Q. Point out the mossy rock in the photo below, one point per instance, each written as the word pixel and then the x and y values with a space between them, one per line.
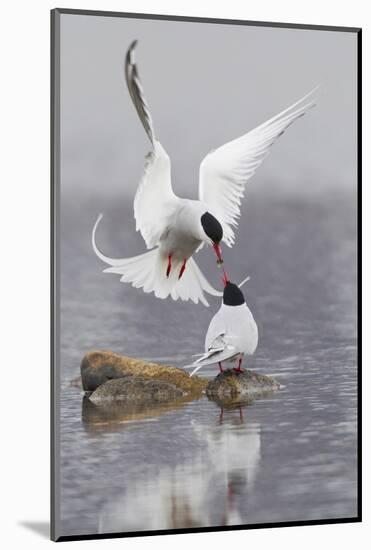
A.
pixel 136 389
pixel 97 367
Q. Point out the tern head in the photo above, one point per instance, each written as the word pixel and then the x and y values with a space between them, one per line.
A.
pixel 232 295
pixel 214 231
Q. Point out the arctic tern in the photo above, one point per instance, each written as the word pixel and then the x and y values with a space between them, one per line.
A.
pixel 174 228
pixel 232 332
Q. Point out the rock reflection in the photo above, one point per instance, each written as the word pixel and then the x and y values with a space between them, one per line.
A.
pixel 204 491
pixel 112 416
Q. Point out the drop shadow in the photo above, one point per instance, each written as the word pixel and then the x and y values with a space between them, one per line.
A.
pixel 42 528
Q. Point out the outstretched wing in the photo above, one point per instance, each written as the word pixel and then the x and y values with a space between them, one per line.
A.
pixel 136 91
pixel 155 202
pixel 225 171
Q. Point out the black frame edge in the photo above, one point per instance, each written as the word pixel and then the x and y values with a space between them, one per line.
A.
pixel 52 272
pixel 359 268
pixel 222 21
pixel 67 538
pixel 54 68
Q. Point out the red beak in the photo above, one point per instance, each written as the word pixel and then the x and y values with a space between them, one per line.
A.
pixel 218 253
pixel 225 279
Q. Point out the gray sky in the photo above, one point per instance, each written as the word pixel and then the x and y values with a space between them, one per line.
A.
pixel 206 84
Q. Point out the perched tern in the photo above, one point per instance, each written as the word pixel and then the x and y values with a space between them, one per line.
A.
pixel 232 332
pixel 175 228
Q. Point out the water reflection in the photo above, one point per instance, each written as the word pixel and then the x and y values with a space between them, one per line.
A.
pixel 202 491
pixel 303 265
pixel 111 416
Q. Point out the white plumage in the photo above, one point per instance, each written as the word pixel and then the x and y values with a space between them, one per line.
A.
pixel 147 271
pixel 225 171
pixel 232 332
pixel 171 226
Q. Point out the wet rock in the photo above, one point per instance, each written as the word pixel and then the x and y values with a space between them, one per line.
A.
pixel 247 385
pixel 97 367
pixel 136 389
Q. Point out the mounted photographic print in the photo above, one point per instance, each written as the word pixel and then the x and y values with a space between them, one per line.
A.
pixel 205 209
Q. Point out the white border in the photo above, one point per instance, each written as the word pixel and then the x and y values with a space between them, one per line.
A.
pixel 25 264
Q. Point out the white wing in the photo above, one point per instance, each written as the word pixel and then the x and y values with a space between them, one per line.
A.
pixel 216 346
pixel 219 351
pixel 216 328
pixel 155 201
pixel 225 171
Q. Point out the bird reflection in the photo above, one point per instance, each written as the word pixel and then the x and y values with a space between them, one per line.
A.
pixel 207 490
pixel 221 415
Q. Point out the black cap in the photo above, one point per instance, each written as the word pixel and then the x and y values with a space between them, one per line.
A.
pixel 212 227
pixel 232 295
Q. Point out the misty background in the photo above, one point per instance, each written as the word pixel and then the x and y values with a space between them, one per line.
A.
pixel 207 84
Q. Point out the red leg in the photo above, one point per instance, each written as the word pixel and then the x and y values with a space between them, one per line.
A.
pixel 168 265
pixel 238 369
pixel 182 268
pixel 220 367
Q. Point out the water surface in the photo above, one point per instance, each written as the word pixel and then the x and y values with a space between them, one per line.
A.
pixel 288 457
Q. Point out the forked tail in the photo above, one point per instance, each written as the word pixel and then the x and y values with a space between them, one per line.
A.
pixel 212 357
pixel 148 271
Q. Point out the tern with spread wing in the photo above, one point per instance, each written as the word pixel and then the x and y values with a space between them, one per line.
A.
pixel 232 332
pixel 174 228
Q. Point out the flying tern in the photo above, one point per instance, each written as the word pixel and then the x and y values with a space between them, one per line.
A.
pixel 174 228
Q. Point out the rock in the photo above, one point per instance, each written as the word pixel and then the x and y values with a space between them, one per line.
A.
pixel 136 389
pixel 245 386
pixel 97 367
